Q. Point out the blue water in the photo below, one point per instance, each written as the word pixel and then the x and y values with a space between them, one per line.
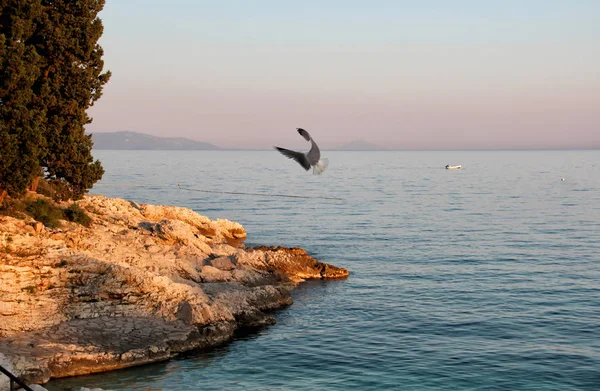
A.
pixel 485 278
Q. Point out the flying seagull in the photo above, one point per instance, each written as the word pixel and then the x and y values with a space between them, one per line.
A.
pixel 310 159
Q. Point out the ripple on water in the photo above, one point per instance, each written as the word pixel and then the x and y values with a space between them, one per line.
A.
pixel 485 278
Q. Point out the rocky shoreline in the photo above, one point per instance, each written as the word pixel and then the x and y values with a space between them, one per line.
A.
pixel 141 284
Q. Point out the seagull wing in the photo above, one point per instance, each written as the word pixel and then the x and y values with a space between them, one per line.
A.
pixel 297 156
pixel 304 134
pixel 314 154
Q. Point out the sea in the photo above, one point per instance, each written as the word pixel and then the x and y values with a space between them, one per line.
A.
pixel 483 278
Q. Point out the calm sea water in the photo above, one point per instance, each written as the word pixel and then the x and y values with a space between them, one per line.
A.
pixel 485 278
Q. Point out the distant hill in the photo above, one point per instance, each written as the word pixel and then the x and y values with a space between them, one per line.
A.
pixel 133 140
pixel 358 145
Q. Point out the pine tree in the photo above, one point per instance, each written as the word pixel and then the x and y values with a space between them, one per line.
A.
pixel 72 80
pixel 50 74
pixel 21 138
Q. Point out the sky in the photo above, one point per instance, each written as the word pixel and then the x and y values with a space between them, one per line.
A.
pixel 461 74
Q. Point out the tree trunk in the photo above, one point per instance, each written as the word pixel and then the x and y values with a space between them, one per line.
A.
pixel 35 183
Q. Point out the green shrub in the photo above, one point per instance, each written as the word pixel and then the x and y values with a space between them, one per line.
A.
pixel 76 214
pixel 13 208
pixel 51 73
pixel 45 188
pixel 45 212
pixel 56 189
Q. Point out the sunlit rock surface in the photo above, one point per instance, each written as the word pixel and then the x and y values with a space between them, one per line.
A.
pixel 142 284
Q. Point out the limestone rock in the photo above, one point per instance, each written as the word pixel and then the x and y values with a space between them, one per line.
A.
pixel 294 263
pixel 38 227
pixel 142 284
pixel 8 364
pixel 212 274
pixel 223 262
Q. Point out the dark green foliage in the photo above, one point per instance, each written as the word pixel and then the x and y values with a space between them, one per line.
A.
pixel 45 188
pixel 21 138
pixel 76 214
pixel 46 212
pixel 50 74
pixel 72 81
pixel 56 189
pixel 13 208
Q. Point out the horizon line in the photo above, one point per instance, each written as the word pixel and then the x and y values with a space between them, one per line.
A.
pixel 221 149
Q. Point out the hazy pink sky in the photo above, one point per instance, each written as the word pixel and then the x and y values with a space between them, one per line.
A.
pixel 437 74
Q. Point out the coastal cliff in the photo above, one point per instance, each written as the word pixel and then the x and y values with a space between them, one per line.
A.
pixel 141 284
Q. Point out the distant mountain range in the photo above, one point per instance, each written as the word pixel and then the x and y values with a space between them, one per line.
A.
pixel 125 140
pixel 133 140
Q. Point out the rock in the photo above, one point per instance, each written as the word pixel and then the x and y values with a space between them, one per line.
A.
pixel 149 242
pixel 212 274
pixel 176 232
pixel 222 263
pixel 184 312
pixel 143 284
pixel 153 249
pixel 294 263
pixel 38 227
pixel 8 364
pixel 37 387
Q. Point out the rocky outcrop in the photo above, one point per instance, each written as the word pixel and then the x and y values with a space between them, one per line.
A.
pixel 142 284
pixel 295 263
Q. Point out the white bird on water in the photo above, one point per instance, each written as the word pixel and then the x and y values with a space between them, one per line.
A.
pixel 310 159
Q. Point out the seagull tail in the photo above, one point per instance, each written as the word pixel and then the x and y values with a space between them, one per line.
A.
pixel 321 166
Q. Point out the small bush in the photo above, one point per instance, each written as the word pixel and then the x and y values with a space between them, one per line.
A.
pixel 45 212
pixel 76 214
pixel 56 189
pixel 45 188
pixel 13 208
